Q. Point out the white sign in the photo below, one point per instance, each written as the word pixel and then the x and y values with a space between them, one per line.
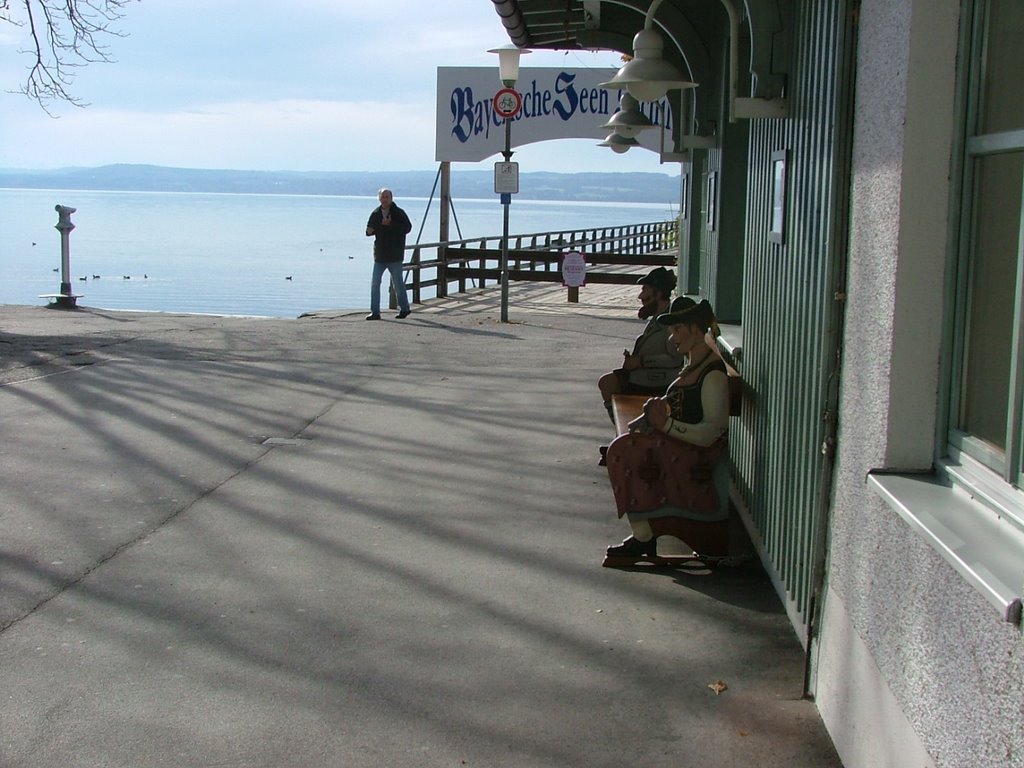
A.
pixel 506 178
pixel 574 269
pixel 556 104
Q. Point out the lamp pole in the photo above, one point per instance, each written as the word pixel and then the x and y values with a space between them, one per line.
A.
pixel 506 200
pixel 507 102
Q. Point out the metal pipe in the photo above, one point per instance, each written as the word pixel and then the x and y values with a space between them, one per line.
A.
pixel 444 228
pixel 734 56
pixel 734 47
pixel 649 18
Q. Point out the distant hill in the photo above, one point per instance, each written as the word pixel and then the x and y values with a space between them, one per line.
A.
pixel 539 185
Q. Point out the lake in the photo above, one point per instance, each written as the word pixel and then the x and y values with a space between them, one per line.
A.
pixel 231 254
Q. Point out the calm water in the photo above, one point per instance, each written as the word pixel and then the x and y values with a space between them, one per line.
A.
pixel 231 254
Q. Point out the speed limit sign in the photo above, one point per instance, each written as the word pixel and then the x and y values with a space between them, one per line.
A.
pixel 508 102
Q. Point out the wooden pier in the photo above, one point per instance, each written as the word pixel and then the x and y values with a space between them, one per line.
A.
pixel 616 257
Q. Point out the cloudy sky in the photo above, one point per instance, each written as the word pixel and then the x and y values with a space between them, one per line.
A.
pixel 249 84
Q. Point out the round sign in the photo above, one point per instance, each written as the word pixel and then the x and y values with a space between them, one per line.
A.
pixel 574 269
pixel 508 102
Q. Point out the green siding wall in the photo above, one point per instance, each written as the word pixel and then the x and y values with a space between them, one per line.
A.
pixel 791 317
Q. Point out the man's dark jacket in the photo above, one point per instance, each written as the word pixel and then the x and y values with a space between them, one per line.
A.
pixel 389 242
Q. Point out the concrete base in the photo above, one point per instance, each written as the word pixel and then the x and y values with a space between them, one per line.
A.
pixel 866 723
pixel 62 300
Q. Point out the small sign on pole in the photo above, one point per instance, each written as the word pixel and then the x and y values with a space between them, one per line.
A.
pixel 507 102
pixel 574 273
pixel 506 178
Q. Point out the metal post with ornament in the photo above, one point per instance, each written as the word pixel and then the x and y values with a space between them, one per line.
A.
pixel 507 103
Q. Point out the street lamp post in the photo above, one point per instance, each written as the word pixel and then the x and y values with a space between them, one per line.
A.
pixel 507 102
pixel 506 200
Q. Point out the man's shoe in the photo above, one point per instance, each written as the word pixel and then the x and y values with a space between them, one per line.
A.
pixel 403 314
pixel 373 317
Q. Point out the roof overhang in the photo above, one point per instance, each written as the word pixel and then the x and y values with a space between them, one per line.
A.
pixel 738 51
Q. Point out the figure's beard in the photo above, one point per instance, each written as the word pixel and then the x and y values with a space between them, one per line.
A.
pixel 650 309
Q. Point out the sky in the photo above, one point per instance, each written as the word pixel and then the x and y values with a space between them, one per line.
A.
pixel 307 85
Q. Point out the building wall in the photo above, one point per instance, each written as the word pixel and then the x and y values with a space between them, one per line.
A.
pixel 913 667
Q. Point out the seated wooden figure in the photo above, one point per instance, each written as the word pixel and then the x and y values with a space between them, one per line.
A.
pixel 669 472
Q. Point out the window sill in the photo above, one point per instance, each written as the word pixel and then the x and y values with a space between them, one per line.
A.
pixel 982 546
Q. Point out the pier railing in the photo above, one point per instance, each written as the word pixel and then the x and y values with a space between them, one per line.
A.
pixel 439 269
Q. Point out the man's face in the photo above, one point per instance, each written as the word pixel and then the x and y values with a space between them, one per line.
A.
pixel 648 302
pixel 385 198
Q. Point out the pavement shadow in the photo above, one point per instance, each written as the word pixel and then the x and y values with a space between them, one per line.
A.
pixel 421 535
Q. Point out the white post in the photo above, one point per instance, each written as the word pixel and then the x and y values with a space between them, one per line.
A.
pixel 444 229
pixel 64 226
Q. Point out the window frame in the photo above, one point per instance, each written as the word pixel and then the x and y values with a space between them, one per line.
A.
pixel 711 220
pixel 779 172
pixel 965 511
pixel 1000 486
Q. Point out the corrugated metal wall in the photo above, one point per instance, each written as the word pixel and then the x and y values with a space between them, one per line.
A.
pixel 791 311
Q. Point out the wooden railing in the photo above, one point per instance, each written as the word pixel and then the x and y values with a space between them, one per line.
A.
pixel 434 269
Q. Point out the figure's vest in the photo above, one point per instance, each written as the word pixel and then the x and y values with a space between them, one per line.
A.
pixel 653 341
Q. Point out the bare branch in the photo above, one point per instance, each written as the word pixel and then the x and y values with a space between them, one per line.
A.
pixel 63 35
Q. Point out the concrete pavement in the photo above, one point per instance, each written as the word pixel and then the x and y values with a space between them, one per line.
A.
pixel 326 542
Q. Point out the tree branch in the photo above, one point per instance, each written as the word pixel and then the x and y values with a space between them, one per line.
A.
pixel 62 35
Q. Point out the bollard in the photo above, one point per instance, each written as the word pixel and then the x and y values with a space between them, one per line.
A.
pixel 66 298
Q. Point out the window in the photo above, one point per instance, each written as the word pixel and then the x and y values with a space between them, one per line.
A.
pixel 684 196
pixel 986 416
pixel 712 200
pixel 980 532
pixel 777 224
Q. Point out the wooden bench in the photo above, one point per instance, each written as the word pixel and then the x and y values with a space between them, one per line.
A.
pixel 708 539
pixel 625 408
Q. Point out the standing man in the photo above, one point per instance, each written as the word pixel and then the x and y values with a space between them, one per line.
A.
pixel 388 225
pixel 654 362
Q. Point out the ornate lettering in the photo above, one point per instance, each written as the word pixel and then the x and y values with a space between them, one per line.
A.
pixel 470 117
pixel 564 87
pixel 461 105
